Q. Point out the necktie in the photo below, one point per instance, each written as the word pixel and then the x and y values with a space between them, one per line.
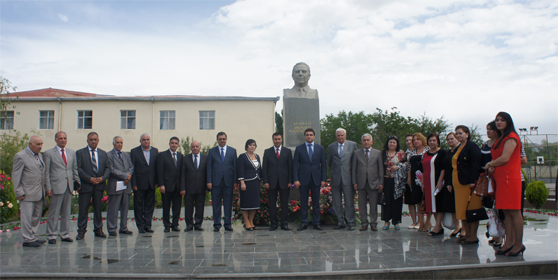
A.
pixel 38 159
pixel 94 161
pixel 366 155
pixel 222 154
pixel 64 158
pixel 196 161
pixel 341 150
pixel 120 157
pixel 310 151
pixel 174 158
pixel 277 152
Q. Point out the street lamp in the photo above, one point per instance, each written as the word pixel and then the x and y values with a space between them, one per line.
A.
pixel 534 128
pixel 521 130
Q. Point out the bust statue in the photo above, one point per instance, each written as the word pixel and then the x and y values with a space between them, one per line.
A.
pixel 301 75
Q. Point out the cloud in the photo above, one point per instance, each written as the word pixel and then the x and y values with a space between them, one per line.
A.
pixel 63 17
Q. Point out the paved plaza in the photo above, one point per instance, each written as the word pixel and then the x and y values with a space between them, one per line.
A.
pixel 270 254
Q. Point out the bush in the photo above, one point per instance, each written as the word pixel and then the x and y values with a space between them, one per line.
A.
pixel 9 146
pixel 536 193
pixel 8 203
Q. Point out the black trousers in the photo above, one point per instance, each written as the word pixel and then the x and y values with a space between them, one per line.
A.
pixel 191 202
pixel 144 205
pixel 84 203
pixel 172 199
pixel 284 198
pixel 393 208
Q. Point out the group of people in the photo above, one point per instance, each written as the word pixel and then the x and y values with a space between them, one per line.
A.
pixel 428 179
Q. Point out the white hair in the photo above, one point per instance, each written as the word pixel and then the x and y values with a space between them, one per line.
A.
pixel 340 129
pixel 114 139
pixel 366 134
pixel 145 134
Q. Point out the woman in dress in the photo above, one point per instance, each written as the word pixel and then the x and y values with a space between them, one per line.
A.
pixel 493 134
pixel 466 170
pixel 413 195
pixel 432 177
pixel 394 182
pixel 248 170
pixel 412 207
pixel 506 167
pixel 447 190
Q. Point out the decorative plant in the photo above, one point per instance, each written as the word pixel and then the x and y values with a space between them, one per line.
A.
pixel 536 193
pixel 8 203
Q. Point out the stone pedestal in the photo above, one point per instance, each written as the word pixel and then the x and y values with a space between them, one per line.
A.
pixel 298 115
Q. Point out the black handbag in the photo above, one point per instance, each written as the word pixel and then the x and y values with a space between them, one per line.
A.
pixel 381 198
pixel 475 215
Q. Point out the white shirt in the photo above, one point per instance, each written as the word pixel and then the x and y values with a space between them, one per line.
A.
pixel 198 158
pixel 96 155
pixel 224 150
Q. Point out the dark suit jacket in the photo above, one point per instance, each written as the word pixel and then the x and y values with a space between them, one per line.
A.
pixel 169 175
pixel 468 163
pixel 216 168
pixel 194 181
pixel 145 176
pixel 304 167
pixel 273 168
pixel 85 170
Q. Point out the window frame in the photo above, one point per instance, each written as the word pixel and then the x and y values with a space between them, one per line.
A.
pixel 168 119
pixel 128 117
pixel 205 122
pixel 4 117
pixel 84 118
pixel 48 117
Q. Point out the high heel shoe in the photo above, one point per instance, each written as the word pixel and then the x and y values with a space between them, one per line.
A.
pixel 441 231
pixel 503 252
pixel 467 242
pixel 512 254
pixel 454 234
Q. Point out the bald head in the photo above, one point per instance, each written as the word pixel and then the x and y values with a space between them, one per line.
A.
pixel 35 144
pixel 195 147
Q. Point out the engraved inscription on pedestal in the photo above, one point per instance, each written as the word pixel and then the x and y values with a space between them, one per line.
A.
pixel 298 115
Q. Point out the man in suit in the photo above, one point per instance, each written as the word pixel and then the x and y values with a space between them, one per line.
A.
pixel 309 174
pixel 194 186
pixel 144 182
pixel 28 178
pixel 368 179
pixel 169 172
pixel 339 159
pixel 221 178
pixel 61 173
pixel 93 169
pixel 119 187
pixel 277 175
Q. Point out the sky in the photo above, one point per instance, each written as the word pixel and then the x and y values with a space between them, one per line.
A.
pixel 463 60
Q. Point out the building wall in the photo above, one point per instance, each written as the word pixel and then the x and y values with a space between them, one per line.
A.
pixel 241 120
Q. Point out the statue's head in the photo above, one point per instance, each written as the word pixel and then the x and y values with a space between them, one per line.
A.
pixel 301 74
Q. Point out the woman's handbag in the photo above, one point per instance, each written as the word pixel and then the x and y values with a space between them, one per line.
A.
pixel 447 221
pixel 481 187
pixel 475 215
pixel 381 198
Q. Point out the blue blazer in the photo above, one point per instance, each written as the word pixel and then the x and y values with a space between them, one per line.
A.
pixel 304 167
pixel 217 169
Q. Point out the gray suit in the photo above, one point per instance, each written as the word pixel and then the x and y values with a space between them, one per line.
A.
pixel 118 200
pixel 60 180
pixel 341 181
pixel 368 176
pixel 28 178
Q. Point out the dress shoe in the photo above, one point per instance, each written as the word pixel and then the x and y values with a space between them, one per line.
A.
pixel 318 227
pixel 100 233
pixel 503 252
pixel 351 228
pixel 302 227
pixel 216 230
pixel 228 228
pixel 167 229
pixel 373 228
pixel 285 228
pixel 126 232
pixel 80 236
pixel 363 228
pixel 141 230
pixel 148 229
pixel 339 227
pixel 272 228
pixel 67 239
pixel 468 242
pixel 41 241
pixel 113 233
pixel 175 228
pixel 52 241
pixel 198 228
pixel 31 244
pixel 188 229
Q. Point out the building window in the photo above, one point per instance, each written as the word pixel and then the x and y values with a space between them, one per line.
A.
pixel 46 119
pixel 85 119
pixel 7 120
pixel 128 119
pixel 207 120
pixel 166 120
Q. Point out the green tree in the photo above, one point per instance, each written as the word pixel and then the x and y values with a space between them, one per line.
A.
pixel 184 147
pixel 356 124
pixel 6 89
pixel 9 146
pixel 279 123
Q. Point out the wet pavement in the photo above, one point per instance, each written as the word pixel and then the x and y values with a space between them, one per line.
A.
pixel 263 252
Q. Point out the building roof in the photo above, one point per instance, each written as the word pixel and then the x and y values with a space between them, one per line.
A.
pixel 51 94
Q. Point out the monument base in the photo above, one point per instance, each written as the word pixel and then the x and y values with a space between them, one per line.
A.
pixel 298 115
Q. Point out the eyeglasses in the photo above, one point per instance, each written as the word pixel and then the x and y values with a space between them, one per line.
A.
pixel 222 139
pixel 393 137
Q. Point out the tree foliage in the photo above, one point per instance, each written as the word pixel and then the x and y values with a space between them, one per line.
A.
pixel 356 124
pixel 184 147
pixel 9 146
pixel 279 123
pixel 6 89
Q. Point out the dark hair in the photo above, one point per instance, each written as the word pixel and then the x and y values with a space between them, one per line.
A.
pixel 386 146
pixel 492 126
pixel 310 129
pixel 408 134
pixel 509 127
pixel 433 134
pixel 92 132
pixel 277 134
pixel 451 133
pixel 248 142
pixel 221 133
pixel 465 129
pixel 174 138
pixel 56 135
